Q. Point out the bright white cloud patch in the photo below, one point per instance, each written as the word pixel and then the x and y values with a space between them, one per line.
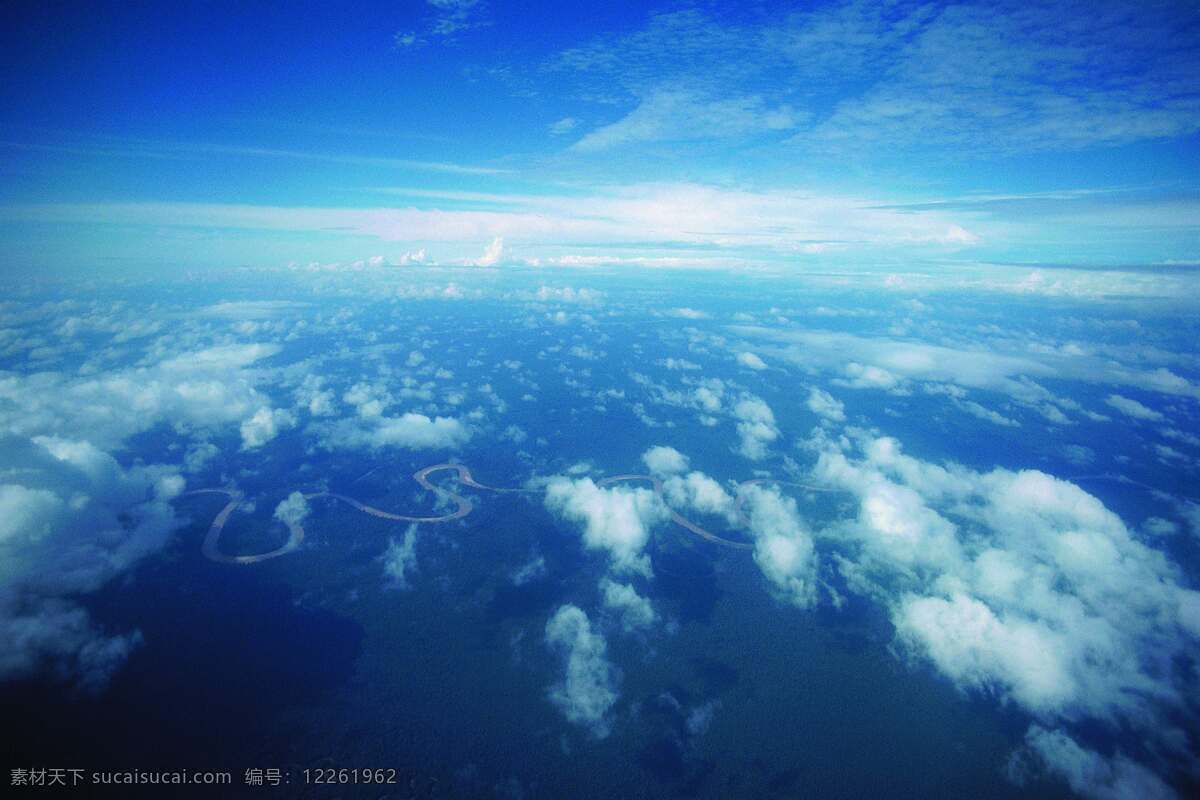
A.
pixel 1023 585
pixel 755 427
pixel 617 519
pixel 783 547
pixel 964 638
pixel 664 460
pixel 698 492
pixel 410 430
pixel 206 388
pixel 587 690
pixel 264 426
pixel 492 254
pixel 292 510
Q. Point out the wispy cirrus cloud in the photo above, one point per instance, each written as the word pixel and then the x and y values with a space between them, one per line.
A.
pixel 449 17
pixel 146 148
pixel 785 221
pixel 674 115
pixel 864 77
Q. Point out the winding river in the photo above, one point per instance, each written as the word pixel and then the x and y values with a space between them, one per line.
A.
pixel 462 507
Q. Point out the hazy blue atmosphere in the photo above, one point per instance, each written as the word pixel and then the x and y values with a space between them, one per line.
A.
pixel 638 401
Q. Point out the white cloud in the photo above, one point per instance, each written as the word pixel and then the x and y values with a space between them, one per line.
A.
pixel 748 359
pixel 264 426
pixel 639 213
pixel 292 510
pixel 867 376
pixel 1132 408
pixel 564 125
pixel 674 115
pixel 664 461
pixel 823 404
pixel 410 430
pixel 492 254
pixel 708 398
pixel 71 519
pixel 206 388
pixel 617 519
pixel 400 559
pixel 635 611
pixel 698 492
pixel 318 401
pixel 1019 584
pixel 411 257
pixel 1090 774
pixel 783 547
pixel 59 640
pixel 449 18
pixel 532 570
pixel 996 418
pixel 1006 365
pixel 568 294
pixel 756 427
pixel 587 690
pixel 686 313
pixel 966 641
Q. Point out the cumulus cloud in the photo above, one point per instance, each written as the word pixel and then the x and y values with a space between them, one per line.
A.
pixel 617 519
pixel 410 430
pixel 783 547
pixel 292 510
pixel 867 376
pixel 965 639
pixel 410 257
pixel 204 388
pixel 1022 585
pixel 71 519
pixel 587 691
pixel 265 425
pixel 400 559
pixel 664 460
pixel 311 395
pixel 823 404
pixel 756 427
pixel 635 611
pixel 748 359
pixel 698 492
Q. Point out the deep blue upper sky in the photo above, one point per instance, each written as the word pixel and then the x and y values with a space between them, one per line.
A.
pixel 197 134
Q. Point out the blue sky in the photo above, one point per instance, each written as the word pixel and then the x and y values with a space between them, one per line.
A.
pixel 786 136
